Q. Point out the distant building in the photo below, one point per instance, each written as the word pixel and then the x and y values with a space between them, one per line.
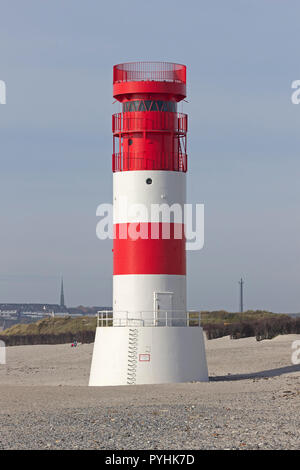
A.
pixel 43 309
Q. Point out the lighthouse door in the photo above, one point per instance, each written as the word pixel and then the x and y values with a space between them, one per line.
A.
pixel 163 307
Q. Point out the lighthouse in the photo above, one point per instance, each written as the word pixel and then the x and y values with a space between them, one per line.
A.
pixel 151 338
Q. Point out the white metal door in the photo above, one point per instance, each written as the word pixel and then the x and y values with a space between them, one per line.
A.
pixel 163 307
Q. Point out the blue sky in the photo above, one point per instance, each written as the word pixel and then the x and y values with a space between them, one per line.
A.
pixel 243 143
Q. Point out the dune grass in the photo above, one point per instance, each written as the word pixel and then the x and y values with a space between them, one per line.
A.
pixel 222 316
pixel 259 323
pixel 54 326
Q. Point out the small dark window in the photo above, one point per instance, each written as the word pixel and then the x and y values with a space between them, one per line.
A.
pixel 149 181
pixel 142 106
pixel 159 105
pixel 136 105
pixel 154 106
pixel 131 106
pixel 130 141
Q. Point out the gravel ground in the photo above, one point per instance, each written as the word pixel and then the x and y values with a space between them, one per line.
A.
pixel 251 402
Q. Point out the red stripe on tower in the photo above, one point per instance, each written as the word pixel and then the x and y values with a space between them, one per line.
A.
pixel 160 249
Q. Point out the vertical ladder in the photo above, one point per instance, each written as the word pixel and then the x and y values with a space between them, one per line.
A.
pixel 132 355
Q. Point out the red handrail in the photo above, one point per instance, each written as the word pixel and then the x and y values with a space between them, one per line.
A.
pixel 149 71
pixel 139 161
pixel 152 120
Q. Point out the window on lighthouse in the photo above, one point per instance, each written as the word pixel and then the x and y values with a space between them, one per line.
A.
pixel 149 105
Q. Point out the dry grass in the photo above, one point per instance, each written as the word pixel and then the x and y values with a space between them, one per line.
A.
pixel 53 326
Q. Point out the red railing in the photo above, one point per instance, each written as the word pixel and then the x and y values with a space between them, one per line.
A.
pixel 155 120
pixel 149 71
pixel 133 162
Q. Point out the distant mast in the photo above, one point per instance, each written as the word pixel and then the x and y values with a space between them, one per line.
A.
pixel 62 295
pixel 241 283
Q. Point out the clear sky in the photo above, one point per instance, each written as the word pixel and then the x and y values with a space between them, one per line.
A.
pixel 56 58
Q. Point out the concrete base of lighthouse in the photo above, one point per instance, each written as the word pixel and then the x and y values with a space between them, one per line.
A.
pixel 148 355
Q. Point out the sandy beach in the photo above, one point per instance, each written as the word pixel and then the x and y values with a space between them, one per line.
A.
pixel 252 401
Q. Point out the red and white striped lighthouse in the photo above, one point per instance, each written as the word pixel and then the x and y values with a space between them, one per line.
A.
pixel 149 165
pixel 151 340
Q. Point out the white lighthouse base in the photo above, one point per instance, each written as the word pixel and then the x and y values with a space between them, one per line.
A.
pixel 148 355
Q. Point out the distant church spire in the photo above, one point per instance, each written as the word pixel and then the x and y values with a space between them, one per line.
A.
pixel 62 295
